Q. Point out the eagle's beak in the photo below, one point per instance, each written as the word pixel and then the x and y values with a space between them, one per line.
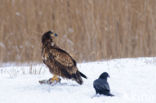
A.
pixel 54 35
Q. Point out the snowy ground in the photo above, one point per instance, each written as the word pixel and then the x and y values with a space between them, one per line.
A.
pixel 132 81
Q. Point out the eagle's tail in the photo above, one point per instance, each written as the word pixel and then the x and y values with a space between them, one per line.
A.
pixel 77 77
pixel 83 75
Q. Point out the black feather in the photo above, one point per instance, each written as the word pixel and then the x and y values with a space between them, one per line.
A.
pixel 83 75
pixel 101 85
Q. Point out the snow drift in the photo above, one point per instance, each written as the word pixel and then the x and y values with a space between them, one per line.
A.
pixel 131 81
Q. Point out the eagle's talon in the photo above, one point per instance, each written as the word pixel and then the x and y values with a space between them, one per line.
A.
pixel 54 80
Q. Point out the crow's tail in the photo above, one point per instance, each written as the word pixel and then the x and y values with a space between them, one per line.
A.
pixel 109 94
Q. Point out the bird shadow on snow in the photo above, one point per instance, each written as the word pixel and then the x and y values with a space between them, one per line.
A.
pixel 60 84
pixel 46 87
pixel 98 96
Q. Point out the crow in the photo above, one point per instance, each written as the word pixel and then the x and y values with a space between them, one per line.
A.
pixel 101 85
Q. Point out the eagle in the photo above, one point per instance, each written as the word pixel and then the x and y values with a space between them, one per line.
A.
pixel 59 62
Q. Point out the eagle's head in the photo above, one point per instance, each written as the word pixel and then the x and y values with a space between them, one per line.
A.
pixel 48 37
pixel 104 75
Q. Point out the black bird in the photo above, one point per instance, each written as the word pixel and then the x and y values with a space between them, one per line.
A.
pixel 101 85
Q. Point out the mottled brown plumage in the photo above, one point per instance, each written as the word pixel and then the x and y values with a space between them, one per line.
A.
pixel 59 62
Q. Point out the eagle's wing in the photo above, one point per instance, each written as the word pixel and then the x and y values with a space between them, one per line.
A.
pixel 62 57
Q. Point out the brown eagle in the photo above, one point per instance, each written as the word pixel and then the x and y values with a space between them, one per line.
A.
pixel 59 62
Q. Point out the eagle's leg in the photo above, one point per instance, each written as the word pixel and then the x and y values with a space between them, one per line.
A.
pixel 55 79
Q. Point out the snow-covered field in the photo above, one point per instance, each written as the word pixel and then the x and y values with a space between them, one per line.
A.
pixel 131 81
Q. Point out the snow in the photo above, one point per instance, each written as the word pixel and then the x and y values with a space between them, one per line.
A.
pixel 131 81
